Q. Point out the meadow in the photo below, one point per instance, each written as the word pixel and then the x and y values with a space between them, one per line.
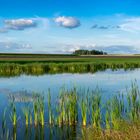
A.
pixel 65 58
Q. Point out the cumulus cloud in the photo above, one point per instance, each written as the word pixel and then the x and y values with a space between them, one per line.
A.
pixel 131 24
pixel 111 49
pixel 70 48
pixel 19 24
pixel 13 46
pixel 119 49
pixel 67 22
pixel 104 27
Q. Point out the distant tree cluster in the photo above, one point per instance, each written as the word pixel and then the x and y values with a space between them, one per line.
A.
pixel 87 52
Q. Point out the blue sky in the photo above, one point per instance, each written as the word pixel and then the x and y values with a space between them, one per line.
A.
pixel 52 26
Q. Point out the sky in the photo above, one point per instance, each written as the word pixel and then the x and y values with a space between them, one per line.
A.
pixel 63 26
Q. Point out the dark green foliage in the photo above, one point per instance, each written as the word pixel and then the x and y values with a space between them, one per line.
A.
pixel 87 52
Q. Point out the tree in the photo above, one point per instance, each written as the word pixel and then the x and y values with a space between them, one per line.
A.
pixel 88 52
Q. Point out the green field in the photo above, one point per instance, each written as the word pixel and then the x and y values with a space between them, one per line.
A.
pixel 58 58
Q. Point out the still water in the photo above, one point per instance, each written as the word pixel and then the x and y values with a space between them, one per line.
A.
pixel 109 82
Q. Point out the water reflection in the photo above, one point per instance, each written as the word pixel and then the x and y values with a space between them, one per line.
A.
pixel 21 89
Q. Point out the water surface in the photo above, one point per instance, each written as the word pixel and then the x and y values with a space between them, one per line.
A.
pixel 109 82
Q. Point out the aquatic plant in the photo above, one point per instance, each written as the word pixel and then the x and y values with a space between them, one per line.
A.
pixel 55 64
pixel 96 109
pixel 4 122
pixel 133 102
pixel 50 108
pixel 13 115
pixel 74 106
pixel 115 112
pixel 30 118
pixel 41 110
pixel 6 136
pixel 60 110
pixel 84 112
pixel 26 115
pixel 35 109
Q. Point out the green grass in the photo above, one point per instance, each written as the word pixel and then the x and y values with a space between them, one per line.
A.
pixel 127 132
pixel 31 64
pixel 13 69
pixel 57 58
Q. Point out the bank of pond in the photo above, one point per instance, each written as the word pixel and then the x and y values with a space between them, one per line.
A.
pixel 15 69
pixel 75 114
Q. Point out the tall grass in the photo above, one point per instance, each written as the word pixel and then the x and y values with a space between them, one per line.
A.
pixel 41 110
pixel 36 68
pixel 96 109
pixel 26 112
pixel 133 98
pixel 35 110
pixel 50 108
pixel 72 108
pixel 84 112
pixel 13 114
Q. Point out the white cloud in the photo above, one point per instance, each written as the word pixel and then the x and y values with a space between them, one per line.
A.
pixel 111 49
pixel 13 46
pixel 70 48
pixel 68 22
pixel 19 24
pixel 131 25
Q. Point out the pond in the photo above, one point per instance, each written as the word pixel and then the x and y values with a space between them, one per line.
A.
pixel 109 83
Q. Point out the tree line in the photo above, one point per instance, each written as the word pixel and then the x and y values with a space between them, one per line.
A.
pixel 89 52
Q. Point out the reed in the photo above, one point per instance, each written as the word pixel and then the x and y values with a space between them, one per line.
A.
pixel 96 109
pixel 134 102
pixel 4 122
pixel 84 112
pixel 115 113
pixel 30 117
pixel 41 110
pixel 35 109
pixel 17 68
pixel 6 136
pixel 107 115
pixel 73 105
pixel 60 110
pixel 13 115
pixel 26 112
pixel 50 108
